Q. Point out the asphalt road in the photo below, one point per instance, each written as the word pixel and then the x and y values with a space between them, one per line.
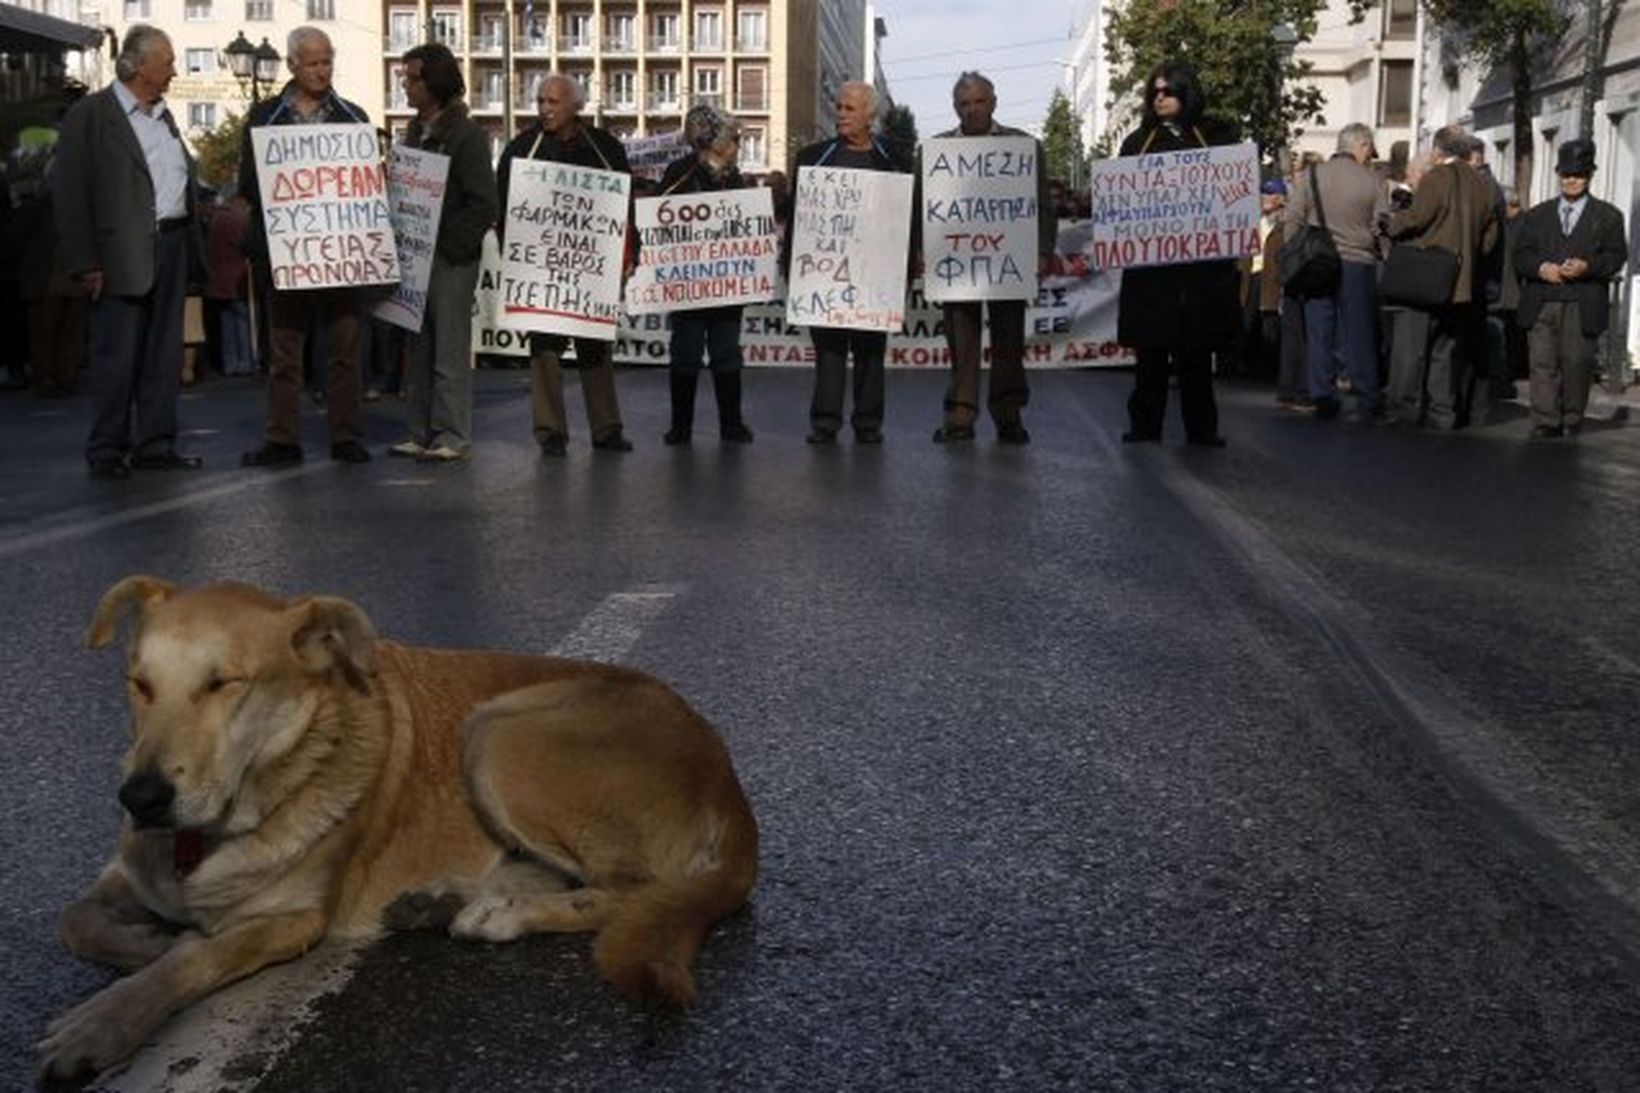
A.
pixel 1308 763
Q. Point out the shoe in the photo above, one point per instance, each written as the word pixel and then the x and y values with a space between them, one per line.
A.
pixel 372 395
pixel 1012 434
pixel 108 467
pixel 349 451
pixel 822 436
pixel 675 437
pixel 947 434
pixel 613 442
pixel 168 460
pixel 1206 441
pixel 1546 432
pixel 272 454
pixel 442 453
pixel 407 449
pixel 735 433
pixel 554 446
pixel 1135 436
pixel 868 436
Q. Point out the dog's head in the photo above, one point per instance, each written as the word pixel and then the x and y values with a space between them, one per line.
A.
pixel 223 681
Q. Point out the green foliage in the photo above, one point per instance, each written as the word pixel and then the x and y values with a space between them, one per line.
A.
pixel 1247 76
pixel 1493 28
pixel 900 127
pixel 217 151
pixel 1062 142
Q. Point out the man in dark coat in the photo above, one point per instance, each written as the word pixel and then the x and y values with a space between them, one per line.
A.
pixel 1568 248
pixel 562 136
pixel 124 186
pixel 1175 317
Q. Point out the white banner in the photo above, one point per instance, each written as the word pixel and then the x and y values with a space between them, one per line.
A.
pixel 562 253
pixel 704 250
pixel 324 205
pixel 650 156
pixel 851 231
pixel 415 194
pixel 979 218
pixel 1173 207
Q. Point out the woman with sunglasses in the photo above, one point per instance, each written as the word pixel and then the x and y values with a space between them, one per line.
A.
pixel 1175 317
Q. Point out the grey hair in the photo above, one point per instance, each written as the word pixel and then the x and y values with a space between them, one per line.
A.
pixel 706 123
pixel 870 91
pixel 1353 135
pixel 577 88
pixel 294 40
pixel 1451 140
pixel 139 40
pixel 973 77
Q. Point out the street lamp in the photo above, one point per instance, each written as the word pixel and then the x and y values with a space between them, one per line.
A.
pixel 256 65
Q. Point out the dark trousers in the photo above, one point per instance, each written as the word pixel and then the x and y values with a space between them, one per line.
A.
pixel 56 340
pixel 1341 335
pixel 831 352
pixel 136 359
pixel 1290 380
pixel 595 361
pixel 292 312
pixel 1147 406
pixel 1562 363
pixel 1430 363
pixel 1009 390
pixel 709 332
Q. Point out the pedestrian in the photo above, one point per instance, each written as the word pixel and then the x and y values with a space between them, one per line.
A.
pixel 1486 381
pixel 1435 345
pixel 307 99
pixel 1569 248
pixel 1341 327
pixel 55 300
pixel 1261 288
pixel 1506 341
pixel 1174 317
pixel 561 135
pixel 439 380
pixel 226 280
pixel 974 99
pixel 710 166
pixel 124 184
pixel 854 147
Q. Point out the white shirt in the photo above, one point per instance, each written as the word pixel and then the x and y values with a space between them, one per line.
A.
pixel 167 162
pixel 1570 212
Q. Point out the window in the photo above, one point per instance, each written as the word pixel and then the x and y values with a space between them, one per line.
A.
pixel 495 89
pixel 663 32
pixel 535 32
pixel 623 89
pixel 202 115
pixel 754 147
pixel 489 32
pixel 1395 93
pixel 195 11
pixel 136 10
pixel 709 84
pixel 258 11
pixel 578 32
pixel 623 33
pixel 752 35
pixel 709 29
pixel 401 30
pixel 1400 19
pixel 532 85
pixel 663 88
pixel 752 88
pixel 321 10
pixel 447 27
pixel 396 98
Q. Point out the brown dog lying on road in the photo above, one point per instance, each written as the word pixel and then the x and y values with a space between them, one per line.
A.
pixel 292 777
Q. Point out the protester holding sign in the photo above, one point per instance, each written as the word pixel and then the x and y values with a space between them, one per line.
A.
pixel 975 101
pixel 306 100
pixel 561 136
pixel 1175 316
pixel 854 148
pixel 439 381
pixel 696 333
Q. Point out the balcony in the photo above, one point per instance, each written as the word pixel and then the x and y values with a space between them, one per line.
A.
pixel 669 45
pixel 489 44
pixel 578 44
pixel 663 103
pixel 753 103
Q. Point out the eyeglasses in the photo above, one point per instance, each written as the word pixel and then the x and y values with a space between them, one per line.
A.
pixel 1163 91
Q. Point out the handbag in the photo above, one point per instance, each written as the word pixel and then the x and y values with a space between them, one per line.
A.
pixel 1310 265
pixel 1419 276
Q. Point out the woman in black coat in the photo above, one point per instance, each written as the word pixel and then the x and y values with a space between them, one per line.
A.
pixel 1175 317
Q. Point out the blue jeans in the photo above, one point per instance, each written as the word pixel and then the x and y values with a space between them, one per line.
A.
pixel 1341 335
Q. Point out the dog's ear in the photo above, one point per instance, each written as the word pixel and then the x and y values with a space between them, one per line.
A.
pixel 333 633
pixel 134 594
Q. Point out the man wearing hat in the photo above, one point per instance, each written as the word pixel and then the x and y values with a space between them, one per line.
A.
pixel 1568 248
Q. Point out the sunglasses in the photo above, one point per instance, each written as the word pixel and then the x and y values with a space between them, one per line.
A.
pixel 1164 90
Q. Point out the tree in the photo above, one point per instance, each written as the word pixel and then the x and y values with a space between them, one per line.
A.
pixel 1247 75
pixel 1067 160
pixel 217 151
pixel 900 128
pixel 1504 32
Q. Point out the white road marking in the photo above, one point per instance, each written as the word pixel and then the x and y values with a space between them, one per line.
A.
pixel 227 1041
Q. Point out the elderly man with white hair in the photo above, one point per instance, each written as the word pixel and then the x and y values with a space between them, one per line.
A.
pixel 1342 325
pixel 308 99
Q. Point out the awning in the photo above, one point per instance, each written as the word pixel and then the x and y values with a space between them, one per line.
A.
pixel 24 31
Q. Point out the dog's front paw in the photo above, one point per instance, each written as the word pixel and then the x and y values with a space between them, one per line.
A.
pixel 492 918
pixel 93 1036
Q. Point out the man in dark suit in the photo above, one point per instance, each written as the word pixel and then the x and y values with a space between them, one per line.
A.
pixel 1568 248
pixel 124 189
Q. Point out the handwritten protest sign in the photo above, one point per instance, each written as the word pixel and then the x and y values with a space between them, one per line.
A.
pixel 979 218
pixel 324 204
pixel 704 250
pixel 1166 208
pixel 649 156
pixel 850 233
pixel 562 251
pixel 415 193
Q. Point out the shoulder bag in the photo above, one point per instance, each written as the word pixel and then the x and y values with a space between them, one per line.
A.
pixel 1310 265
pixel 1423 276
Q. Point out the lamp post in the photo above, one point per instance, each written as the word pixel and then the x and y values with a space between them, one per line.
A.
pixel 256 66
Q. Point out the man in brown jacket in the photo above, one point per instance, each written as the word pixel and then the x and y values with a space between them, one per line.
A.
pixel 1434 349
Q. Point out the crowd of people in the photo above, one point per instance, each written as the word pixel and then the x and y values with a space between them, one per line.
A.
pixel 1436 293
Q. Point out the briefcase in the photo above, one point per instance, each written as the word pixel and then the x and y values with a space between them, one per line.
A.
pixel 1419 276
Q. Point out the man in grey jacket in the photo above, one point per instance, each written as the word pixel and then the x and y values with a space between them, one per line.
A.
pixel 1343 326
pixel 124 188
